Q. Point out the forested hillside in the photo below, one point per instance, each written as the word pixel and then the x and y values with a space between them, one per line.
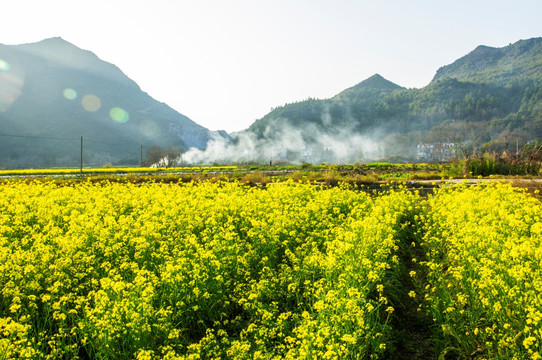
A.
pixel 52 93
pixel 489 100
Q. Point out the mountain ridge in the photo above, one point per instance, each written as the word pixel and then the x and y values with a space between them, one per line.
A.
pixel 60 52
pixel 478 102
pixel 501 65
pixel 373 84
pixel 53 89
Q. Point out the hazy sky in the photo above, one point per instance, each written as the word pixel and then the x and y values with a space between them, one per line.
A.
pixel 225 64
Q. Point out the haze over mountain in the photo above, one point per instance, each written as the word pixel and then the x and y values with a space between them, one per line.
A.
pixel 488 100
pixel 52 93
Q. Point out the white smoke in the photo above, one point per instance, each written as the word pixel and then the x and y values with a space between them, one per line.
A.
pixel 222 150
pixel 282 142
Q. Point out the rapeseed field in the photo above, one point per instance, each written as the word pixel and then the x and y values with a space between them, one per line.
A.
pixel 484 271
pixel 222 270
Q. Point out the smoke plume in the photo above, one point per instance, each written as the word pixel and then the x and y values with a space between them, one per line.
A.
pixel 282 142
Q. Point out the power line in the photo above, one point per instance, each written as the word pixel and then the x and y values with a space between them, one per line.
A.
pixel 73 139
pixel 59 138
pixel 102 143
pixel 37 137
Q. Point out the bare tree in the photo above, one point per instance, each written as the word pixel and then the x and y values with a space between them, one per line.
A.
pixel 161 157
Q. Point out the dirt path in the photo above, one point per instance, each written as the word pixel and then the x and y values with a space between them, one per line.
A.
pixel 413 329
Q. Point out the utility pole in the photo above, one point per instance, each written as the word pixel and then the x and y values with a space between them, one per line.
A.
pixel 81 154
pixel 141 155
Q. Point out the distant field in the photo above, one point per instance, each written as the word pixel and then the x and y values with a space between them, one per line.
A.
pixel 213 269
pixel 526 165
pixel 111 170
pixel 256 174
pixel 368 176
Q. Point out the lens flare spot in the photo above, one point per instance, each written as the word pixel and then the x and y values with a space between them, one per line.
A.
pixel 119 115
pixel 149 128
pixel 4 65
pixel 70 94
pixel 91 103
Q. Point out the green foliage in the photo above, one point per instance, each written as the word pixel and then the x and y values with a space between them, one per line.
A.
pixel 491 164
pixel 379 165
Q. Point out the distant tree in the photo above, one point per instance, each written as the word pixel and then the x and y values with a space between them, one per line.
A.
pixel 172 156
pixel 153 155
pixel 161 157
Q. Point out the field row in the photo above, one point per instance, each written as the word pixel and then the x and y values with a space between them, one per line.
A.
pixel 295 271
pixel 484 271
pixel 212 168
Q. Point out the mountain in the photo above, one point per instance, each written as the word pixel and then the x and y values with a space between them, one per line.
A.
pixel 52 93
pixel 489 100
pixel 521 60
pixel 352 105
pixel 374 86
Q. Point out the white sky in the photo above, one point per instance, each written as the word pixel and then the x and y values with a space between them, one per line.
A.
pixel 225 64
